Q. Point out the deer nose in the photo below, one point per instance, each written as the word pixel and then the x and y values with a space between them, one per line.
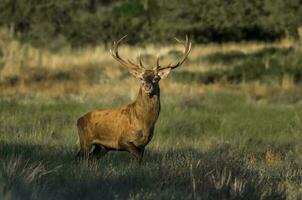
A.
pixel 148 87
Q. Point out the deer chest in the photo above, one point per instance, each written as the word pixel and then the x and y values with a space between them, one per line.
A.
pixel 142 138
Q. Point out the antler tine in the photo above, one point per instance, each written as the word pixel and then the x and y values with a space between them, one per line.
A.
pixel 129 61
pixel 188 46
pixel 122 38
pixel 141 62
pixel 114 53
pixel 115 45
pixel 156 68
pixel 157 64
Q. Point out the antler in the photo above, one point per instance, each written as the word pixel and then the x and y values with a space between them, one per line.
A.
pixel 188 47
pixel 128 63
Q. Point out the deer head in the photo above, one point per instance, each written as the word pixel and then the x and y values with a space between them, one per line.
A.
pixel 149 77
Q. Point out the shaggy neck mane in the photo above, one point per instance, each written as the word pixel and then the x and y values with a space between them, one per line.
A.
pixel 147 106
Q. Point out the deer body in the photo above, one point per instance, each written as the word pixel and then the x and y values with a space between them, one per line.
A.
pixel 129 128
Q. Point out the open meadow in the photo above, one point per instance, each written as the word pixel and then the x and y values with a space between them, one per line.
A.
pixel 230 125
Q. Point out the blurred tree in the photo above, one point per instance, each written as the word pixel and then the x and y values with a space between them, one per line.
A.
pixel 284 16
pixel 55 23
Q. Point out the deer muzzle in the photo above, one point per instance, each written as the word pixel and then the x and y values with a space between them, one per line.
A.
pixel 148 88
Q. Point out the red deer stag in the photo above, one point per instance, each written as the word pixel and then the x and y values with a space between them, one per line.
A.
pixel 129 128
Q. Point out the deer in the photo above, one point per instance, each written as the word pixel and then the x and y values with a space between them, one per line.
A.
pixel 130 127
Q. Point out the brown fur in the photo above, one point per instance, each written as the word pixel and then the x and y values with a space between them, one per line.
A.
pixel 128 128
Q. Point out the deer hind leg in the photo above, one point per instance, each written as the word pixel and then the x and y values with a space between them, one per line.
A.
pixel 85 147
pixel 85 143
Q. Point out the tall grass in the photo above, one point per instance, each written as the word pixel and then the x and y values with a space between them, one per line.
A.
pixel 209 146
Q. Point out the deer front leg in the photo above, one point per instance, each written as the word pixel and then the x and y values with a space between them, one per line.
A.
pixel 99 151
pixel 138 153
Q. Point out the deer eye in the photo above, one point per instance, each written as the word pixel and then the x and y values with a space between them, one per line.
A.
pixel 155 79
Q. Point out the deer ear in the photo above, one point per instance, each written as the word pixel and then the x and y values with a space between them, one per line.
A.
pixel 164 73
pixel 137 73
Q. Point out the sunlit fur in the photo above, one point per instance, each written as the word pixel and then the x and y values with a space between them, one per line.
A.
pixel 129 128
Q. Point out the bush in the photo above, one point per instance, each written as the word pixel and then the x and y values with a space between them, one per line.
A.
pixel 89 22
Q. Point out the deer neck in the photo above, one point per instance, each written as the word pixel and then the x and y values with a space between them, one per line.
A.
pixel 147 106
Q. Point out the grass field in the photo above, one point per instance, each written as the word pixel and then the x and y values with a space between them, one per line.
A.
pixel 237 136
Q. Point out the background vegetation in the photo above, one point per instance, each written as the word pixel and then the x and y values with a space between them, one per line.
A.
pixel 230 125
pixel 57 23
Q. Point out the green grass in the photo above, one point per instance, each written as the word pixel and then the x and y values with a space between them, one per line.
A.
pixel 210 146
